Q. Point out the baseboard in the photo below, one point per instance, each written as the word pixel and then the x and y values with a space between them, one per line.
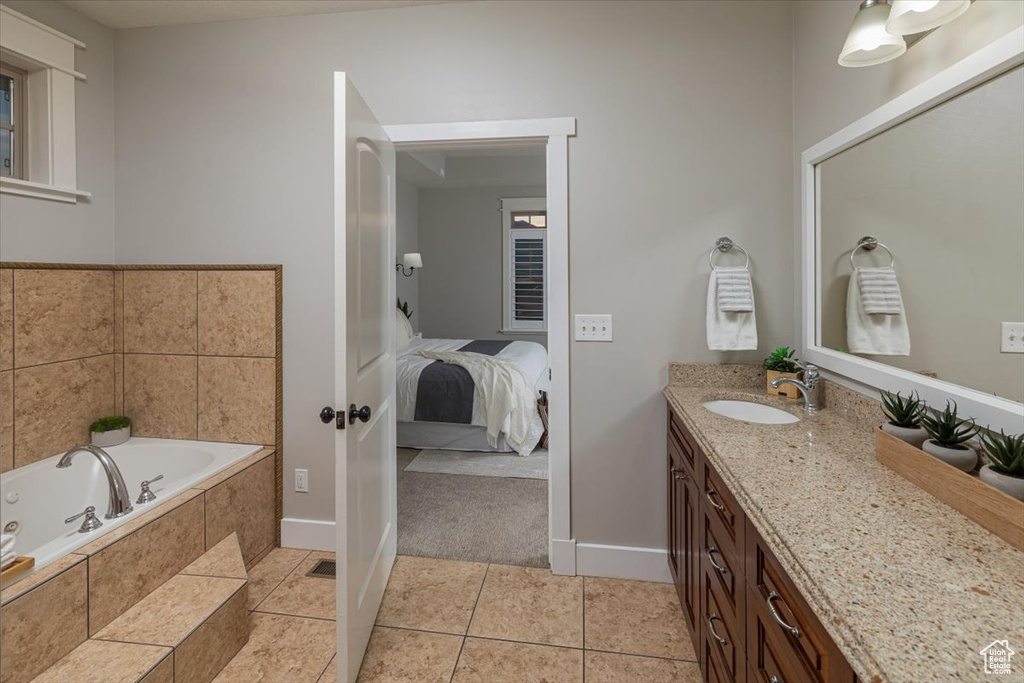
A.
pixel 309 534
pixel 622 562
pixel 563 557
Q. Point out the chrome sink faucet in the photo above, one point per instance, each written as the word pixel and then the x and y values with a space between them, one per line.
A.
pixel 808 387
pixel 120 502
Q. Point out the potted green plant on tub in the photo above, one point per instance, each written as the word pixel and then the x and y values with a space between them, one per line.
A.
pixel 904 417
pixel 1005 468
pixel 782 364
pixel 110 431
pixel 949 436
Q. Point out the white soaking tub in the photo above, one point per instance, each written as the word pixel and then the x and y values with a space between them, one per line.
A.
pixel 39 497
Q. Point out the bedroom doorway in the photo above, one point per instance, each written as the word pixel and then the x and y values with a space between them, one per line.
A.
pixel 482 283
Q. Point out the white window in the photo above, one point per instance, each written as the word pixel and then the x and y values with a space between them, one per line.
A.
pixel 37 129
pixel 525 264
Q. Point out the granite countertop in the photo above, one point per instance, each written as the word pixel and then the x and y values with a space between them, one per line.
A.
pixel 908 588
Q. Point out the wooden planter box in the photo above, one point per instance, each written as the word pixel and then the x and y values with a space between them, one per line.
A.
pixel 787 390
pixel 965 493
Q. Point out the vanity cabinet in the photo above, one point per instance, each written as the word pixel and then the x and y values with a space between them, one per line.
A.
pixel 748 622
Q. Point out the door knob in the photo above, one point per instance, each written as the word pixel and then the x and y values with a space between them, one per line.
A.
pixel 361 414
pixel 328 414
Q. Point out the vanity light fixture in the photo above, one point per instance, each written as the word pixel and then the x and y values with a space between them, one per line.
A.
pixel 868 42
pixel 411 261
pixel 917 16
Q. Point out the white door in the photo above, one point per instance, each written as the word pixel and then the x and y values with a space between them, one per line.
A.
pixel 365 467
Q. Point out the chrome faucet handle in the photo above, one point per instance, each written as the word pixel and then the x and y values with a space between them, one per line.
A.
pixel 90 523
pixel 147 496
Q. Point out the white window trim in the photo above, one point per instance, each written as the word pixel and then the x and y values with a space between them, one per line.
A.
pixel 48 58
pixel 508 207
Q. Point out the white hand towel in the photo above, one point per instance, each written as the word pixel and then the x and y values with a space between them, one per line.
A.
pixel 729 330
pixel 879 291
pixel 881 335
pixel 7 558
pixel 735 290
pixel 6 543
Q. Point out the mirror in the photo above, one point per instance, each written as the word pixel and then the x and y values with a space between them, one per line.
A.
pixel 943 191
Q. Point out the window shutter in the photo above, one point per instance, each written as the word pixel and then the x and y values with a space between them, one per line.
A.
pixel 528 268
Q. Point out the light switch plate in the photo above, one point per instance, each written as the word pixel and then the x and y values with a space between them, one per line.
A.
pixel 302 481
pixel 592 327
pixel 1012 338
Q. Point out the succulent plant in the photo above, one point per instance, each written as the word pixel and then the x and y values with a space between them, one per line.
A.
pixel 947 429
pixel 1004 453
pixel 902 412
pixel 110 423
pixel 781 360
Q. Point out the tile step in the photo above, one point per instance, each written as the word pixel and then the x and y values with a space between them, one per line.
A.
pixel 185 631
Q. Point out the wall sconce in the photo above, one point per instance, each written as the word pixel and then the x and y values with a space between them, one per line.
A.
pixel 868 42
pixel 876 35
pixel 410 261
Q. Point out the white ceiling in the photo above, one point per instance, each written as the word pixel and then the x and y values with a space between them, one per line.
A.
pixel 119 14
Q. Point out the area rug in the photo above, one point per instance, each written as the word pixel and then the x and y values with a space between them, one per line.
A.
pixel 533 466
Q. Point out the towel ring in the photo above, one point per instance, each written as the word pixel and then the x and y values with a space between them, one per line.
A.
pixel 724 244
pixel 869 243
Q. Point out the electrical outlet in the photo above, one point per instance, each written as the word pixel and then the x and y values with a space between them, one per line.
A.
pixel 302 481
pixel 1012 339
pixel 593 328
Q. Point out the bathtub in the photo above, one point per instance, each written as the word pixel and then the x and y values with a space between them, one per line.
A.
pixel 38 497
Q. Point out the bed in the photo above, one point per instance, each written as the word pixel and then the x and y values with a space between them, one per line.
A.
pixel 438 405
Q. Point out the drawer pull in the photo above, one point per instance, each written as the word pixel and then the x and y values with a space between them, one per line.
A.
pixel 711 629
pixel 712 492
pixel 711 559
pixel 793 630
pixel 678 473
pixel 774 679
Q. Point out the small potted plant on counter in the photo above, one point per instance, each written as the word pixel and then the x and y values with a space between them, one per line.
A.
pixel 782 364
pixel 1005 468
pixel 949 436
pixel 904 417
pixel 110 431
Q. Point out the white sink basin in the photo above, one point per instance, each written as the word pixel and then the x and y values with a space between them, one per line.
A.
pixel 751 412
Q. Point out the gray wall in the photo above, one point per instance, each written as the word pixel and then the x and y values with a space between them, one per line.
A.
pixel 827 97
pixel 685 122
pixel 460 235
pixel 34 229
pixel 407 241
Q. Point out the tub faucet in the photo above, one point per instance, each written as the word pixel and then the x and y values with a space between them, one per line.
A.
pixel 120 501
pixel 808 387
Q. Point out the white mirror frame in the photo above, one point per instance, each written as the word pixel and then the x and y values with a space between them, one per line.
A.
pixel 985 64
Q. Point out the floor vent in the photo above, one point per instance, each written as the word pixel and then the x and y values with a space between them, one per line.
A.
pixel 324 569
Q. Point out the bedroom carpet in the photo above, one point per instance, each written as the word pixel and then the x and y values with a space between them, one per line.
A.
pixel 532 466
pixel 477 519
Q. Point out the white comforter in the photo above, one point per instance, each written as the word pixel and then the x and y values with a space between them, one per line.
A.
pixel 530 357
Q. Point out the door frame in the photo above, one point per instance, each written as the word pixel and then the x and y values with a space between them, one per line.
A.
pixel 554 133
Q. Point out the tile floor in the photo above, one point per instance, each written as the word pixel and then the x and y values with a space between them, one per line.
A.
pixel 446 621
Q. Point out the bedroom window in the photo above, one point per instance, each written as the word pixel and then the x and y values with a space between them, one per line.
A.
pixel 524 261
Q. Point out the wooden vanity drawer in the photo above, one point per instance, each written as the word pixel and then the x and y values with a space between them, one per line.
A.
pixel 720 565
pixel 764 655
pixel 683 441
pixel 720 505
pixel 724 631
pixel 778 616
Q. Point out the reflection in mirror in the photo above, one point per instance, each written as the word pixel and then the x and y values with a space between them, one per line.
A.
pixel 944 191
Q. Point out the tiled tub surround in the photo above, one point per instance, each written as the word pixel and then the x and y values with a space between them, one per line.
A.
pixel 48 614
pixel 908 588
pixel 39 496
pixel 187 352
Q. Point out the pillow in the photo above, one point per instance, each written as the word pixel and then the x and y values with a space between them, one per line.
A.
pixel 403 330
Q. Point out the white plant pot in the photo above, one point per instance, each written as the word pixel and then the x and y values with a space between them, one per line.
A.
pixel 114 437
pixel 963 459
pixel 915 436
pixel 1011 486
